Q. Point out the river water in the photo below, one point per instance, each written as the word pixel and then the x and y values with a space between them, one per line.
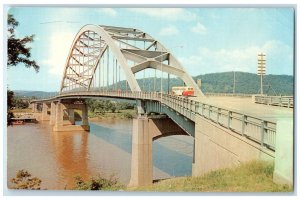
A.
pixel 57 157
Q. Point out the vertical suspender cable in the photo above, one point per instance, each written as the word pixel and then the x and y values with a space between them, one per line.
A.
pixel 117 82
pixel 107 82
pixel 99 67
pixel 120 77
pixel 103 73
pixel 149 82
pixel 113 74
pixel 144 80
pixel 154 81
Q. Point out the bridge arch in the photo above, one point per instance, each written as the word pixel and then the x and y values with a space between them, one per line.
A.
pixel 132 49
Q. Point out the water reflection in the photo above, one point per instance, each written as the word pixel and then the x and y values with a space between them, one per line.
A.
pixel 56 157
pixel 71 154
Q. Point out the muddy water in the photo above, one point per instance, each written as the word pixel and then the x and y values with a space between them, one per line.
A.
pixel 57 157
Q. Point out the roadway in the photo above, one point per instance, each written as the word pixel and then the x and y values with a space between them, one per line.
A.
pixel 246 106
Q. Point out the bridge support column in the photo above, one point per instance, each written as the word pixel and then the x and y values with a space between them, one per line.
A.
pixel 52 113
pixel 71 116
pixel 85 119
pixel 45 115
pixel 59 117
pixel 145 130
pixel 140 107
pixel 34 107
pixel 141 158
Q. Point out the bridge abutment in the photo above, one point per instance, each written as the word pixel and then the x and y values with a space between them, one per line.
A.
pixel 217 147
pixel 145 130
pixel 284 155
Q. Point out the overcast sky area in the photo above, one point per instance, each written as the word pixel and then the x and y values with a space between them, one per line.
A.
pixel 212 39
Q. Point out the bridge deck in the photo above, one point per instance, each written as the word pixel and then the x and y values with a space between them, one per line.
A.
pixel 245 105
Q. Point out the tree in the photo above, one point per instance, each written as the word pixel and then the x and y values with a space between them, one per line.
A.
pixel 98 183
pixel 17 52
pixel 10 105
pixel 23 180
pixel 16 47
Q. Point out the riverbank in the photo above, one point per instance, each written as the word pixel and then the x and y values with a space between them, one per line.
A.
pixel 96 117
pixel 255 176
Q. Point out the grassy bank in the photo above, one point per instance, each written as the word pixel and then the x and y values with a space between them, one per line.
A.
pixel 250 177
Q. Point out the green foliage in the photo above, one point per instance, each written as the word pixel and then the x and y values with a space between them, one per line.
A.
pixel 17 51
pixel 127 115
pixel 246 83
pixel 124 106
pixel 10 99
pixel 10 105
pixel 97 183
pixel 23 180
pixel 20 103
pixel 102 106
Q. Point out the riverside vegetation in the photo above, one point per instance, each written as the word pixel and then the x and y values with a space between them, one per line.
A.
pixel 103 109
pixel 255 176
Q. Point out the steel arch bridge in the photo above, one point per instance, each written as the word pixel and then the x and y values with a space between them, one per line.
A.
pixel 104 60
pixel 108 58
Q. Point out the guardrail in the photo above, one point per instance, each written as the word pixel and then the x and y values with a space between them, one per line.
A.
pixel 283 101
pixel 251 127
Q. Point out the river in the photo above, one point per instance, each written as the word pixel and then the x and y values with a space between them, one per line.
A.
pixel 57 157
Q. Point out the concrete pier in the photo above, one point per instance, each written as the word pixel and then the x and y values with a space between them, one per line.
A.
pixel 45 116
pixel 52 113
pixel 145 130
pixel 60 125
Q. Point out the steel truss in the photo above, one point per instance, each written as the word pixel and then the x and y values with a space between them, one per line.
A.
pixel 109 49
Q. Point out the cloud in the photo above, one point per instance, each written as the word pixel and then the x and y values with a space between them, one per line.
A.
pixel 172 14
pixel 279 59
pixel 169 30
pixel 199 28
pixel 58 49
pixel 108 11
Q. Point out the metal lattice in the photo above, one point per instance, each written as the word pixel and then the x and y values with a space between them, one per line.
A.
pixel 104 56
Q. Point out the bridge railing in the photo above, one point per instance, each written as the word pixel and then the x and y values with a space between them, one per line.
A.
pixel 251 127
pixel 283 101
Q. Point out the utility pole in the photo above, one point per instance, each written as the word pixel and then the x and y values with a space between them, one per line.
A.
pixel 261 69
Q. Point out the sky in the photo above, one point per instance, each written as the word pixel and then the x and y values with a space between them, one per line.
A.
pixel 204 40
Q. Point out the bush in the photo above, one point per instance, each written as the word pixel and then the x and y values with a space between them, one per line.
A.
pixel 97 183
pixel 127 115
pixel 23 181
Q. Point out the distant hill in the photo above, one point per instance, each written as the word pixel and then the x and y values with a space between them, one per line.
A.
pixel 32 94
pixel 247 83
